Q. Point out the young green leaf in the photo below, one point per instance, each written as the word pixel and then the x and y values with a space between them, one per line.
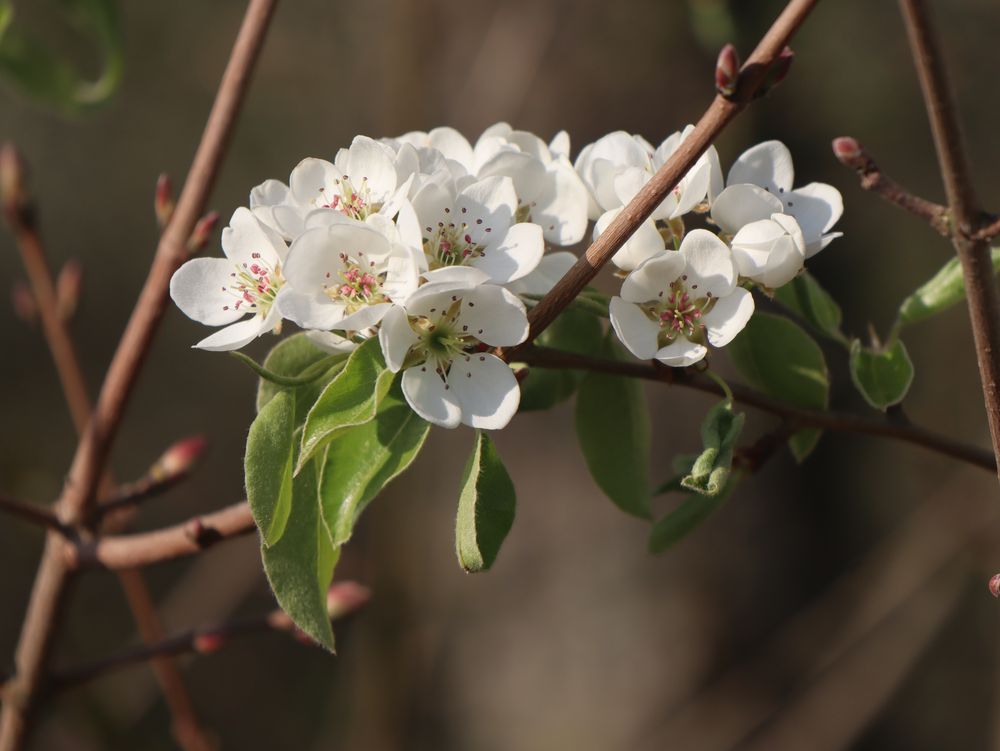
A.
pixel 573 331
pixel 300 565
pixel 687 517
pixel 719 432
pixel 485 507
pixel 612 426
pixel 363 460
pixel 268 466
pixel 807 299
pixel 296 357
pixel 882 376
pixel 350 399
pixel 780 359
pixel 940 292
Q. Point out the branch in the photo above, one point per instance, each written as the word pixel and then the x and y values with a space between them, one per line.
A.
pixel 835 421
pixel 719 114
pixel 31 513
pixel 118 552
pixel 852 154
pixel 51 581
pixel 343 599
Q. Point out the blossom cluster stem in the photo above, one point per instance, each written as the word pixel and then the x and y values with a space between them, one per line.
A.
pixel 966 216
pixel 54 573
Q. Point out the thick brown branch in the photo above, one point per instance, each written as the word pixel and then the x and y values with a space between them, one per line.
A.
pixel 835 421
pixel 852 154
pixel 716 117
pixel 31 512
pixel 146 548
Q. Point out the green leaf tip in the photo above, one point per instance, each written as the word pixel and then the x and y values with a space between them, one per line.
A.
pixel 882 376
pixel 485 507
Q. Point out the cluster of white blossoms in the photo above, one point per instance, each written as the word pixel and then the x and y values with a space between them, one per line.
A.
pixel 430 243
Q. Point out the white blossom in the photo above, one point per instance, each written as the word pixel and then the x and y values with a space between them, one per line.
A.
pixel 677 302
pixel 770 251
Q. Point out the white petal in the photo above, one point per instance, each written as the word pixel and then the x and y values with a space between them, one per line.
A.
pixel 634 329
pixel 825 240
pixel 514 255
pixel 559 145
pixel 486 389
pixel 325 218
pixel 739 205
pixel 716 183
pixel 710 267
pixel 238 334
pixel 653 278
pixel 463 276
pixel 493 315
pixel 644 243
pixel 550 270
pixel 409 226
pixel 427 394
pixel 525 171
pixel 200 288
pixel 767 164
pixel 561 206
pixel 816 207
pixel 728 317
pixel 453 145
pixel 396 337
pixel 311 180
pixel 693 188
pixel 433 203
pixel 247 235
pixel 369 161
pixel 268 193
pixel 311 310
pixel 680 353
pixel 486 208
pixel 330 342
pixel 365 317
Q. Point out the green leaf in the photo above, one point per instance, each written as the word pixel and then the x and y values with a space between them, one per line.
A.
pixel 710 471
pixel 612 425
pixel 485 507
pixel 268 466
pixel 781 360
pixel 687 517
pixel 882 376
pixel 300 565
pixel 362 461
pixel 572 331
pixel 350 399
pixel 807 299
pixel 943 290
pixel 35 69
pixel 297 357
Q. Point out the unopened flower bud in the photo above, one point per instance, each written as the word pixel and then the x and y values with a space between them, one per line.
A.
pixel 202 233
pixel 163 202
pixel 778 71
pixel 727 71
pixel 848 151
pixel 209 642
pixel 345 597
pixel 179 459
pixel 23 301
pixel 995 585
pixel 69 285
pixel 13 198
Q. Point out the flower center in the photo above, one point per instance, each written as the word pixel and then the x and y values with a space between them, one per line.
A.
pixel 254 286
pixel 357 203
pixel 441 338
pixel 355 285
pixel 678 313
pixel 451 243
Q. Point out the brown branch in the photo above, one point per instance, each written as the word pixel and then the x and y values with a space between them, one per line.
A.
pixel 132 551
pixel 974 254
pixel 53 574
pixel 720 113
pixel 31 512
pixel 852 154
pixel 835 421
pixel 343 599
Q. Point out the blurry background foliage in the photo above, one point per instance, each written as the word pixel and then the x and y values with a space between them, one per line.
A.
pixel 836 604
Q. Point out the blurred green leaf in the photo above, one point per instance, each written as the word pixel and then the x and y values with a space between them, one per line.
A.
pixel 781 360
pixel 572 331
pixel 612 425
pixel 40 72
pixel 362 461
pixel 943 290
pixel 268 466
pixel 485 507
pixel 806 298
pixel 688 516
pixel 882 376
pixel 294 357
pixel 719 431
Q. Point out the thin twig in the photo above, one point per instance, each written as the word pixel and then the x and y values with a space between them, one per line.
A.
pixel 132 551
pixel 718 115
pixel 53 574
pixel 32 513
pixel 977 266
pixel 835 421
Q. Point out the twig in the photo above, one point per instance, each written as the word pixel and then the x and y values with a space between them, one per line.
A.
pixel 852 154
pixel 977 266
pixel 343 599
pixel 798 417
pixel 146 548
pixel 52 578
pixel 716 118
pixel 31 513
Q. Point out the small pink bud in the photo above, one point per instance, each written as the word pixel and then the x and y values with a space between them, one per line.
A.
pixel 345 597
pixel 209 642
pixel 23 301
pixel 727 71
pixel 995 585
pixel 69 285
pixel 163 202
pixel 202 233
pixel 179 459
pixel 848 151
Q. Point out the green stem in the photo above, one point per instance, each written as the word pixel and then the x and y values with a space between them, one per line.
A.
pixel 312 373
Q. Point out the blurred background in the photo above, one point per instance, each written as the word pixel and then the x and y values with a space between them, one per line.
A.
pixel 838 604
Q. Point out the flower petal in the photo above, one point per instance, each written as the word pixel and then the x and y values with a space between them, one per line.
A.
pixel 311 180
pixel 370 161
pixel 486 390
pixel 430 397
pixel 238 334
pixel 816 207
pixel 486 208
pixel 680 353
pixel 493 315
pixel 200 288
pixel 525 171
pixel 738 205
pixel 311 310
pixel 462 276
pixel 767 164
pixel 330 342
pixel 453 145
pixel 710 267
pixel 654 277
pixel 365 317
pixel 561 207
pixel 396 336
pixel 550 270
pixel 634 329
pixel 644 243
pixel 515 255
pixel 728 317
pixel 246 236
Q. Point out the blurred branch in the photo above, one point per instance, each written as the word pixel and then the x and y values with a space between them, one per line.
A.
pixel 967 216
pixel 146 548
pixel 38 627
pixel 836 421
pixel 31 513
pixel 852 154
pixel 718 115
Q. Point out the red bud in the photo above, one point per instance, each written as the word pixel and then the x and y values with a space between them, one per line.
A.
pixel 345 597
pixel 209 642
pixel 848 151
pixel 727 71
pixel 163 202
pixel 179 459
pixel 202 233
pixel 69 285
pixel 995 585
